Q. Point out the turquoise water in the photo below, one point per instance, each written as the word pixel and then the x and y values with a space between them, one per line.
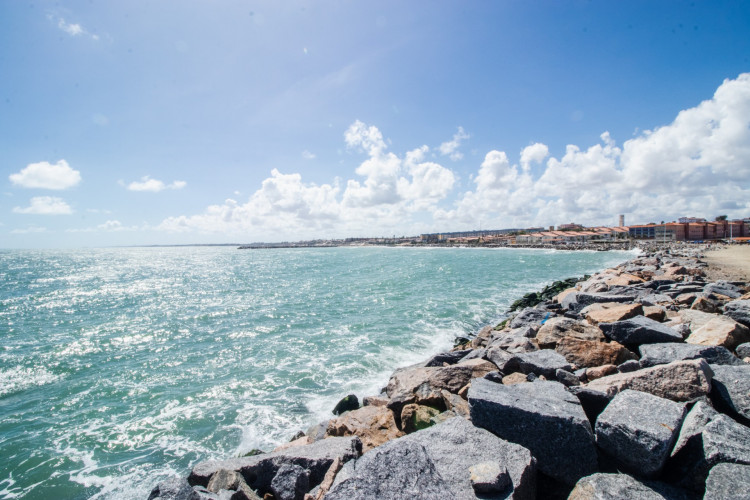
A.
pixel 120 367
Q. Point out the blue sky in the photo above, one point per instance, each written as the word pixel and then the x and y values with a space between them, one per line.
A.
pixel 146 122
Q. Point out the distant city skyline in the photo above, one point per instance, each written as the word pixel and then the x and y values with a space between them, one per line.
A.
pixel 169 123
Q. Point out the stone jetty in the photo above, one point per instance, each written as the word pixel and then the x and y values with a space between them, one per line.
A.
pixel 633 383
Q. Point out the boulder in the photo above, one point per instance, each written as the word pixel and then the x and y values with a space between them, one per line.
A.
pixel 488 478
pixel 529 316
pixel 618 486
pixel 611 312
pixel 592 402
pixel 450 358
pixel 543 417
pixel 720 331
pixel 694 319
pixel 743 350
pixel 515 378
pixel 728 482
pixel 577 301
pixel 566 378
pixel 731 391
pixel 738 310
pixel 678 381
pixel 259 470
pixel 175 488
pixel 656 313
pixel 422 385
pixel 704 304
pixel 639 330
pixel 638 430
pixel 454 446
pixel 231 481
pixel 291 482
pixel 692 427
pixel 511 342
pixel 661 354
pixel 374 401
pixel 347 403
pixel 600 371
pixel 456 403
pixel 479 367
pixel 505 361
pixel 416 417
pixel 586 353
pixel 723 288
pixel 629 366
pixel 560 327
pixel 544 362
pixel 373 425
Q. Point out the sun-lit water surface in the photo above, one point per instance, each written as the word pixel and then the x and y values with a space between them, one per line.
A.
pixel 120 367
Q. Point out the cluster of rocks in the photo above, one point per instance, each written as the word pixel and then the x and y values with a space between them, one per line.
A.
pixel 632 384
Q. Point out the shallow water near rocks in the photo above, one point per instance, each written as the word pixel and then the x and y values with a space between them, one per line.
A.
pixel 121 367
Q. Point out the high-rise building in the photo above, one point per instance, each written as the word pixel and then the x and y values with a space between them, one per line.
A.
pixel 622 220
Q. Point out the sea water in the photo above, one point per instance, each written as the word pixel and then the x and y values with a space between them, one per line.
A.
pixel 122 367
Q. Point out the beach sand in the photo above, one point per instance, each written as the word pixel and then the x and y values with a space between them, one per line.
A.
pixel 730 263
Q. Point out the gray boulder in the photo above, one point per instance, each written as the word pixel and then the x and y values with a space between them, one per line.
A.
pixel 620 486
pixel 593 402
pixel 543 417
pixel 450 358
pixel 544 362
pixel 638 430
pixel 175 488
pixel 730 391
pixel 699 416
pixel 738 310
pixel 639 330
pixel 728 482
pixel 291 482
pixel 505 361
pixel 662 354
pixel 743 350
pixel 723 288
pixel 259 470
pixel 576 301
pixel 529 316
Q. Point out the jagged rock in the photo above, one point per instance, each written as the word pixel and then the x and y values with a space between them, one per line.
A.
pixel 600 371
pixel 619 486
pixel 560 327
pixel 660 354
pixel 743 350
pixel 723 288
pixel 515 378
pixel 291 482
pixel 629 366
pixel 347 403
pixel 201 493
pixel 656 313
pixel 259 470
pixel 541 416
pixel 495 377
pixel 374 425
pixel 505 361
pixel 450 358
pixel 639 330
pixel 592 402
pixel 416 417
pixel 685 299
pixel 403 470
pixel 301 441
pixel 489 478
pixel 609 312
pixel 705 304
pixel 738 310
pixel 678 381
pixel 232 481
pixel 624 279
pixel 479 367
pixel 316 432
pixel 511 343
pixel 175 488
pixel 561 296
pixel 586 353
pixel 728 482
pixel 456 403
pixel 731 391
pixel 374 401
pixel 544 362
pixel 578 300
pixel 566 378
pixel 638 430
pixel 692 427
pixel 695 319
pixel 453 447
pixel 529 316
pixel 721 331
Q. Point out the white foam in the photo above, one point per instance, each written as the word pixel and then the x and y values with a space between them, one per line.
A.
pixel 19 378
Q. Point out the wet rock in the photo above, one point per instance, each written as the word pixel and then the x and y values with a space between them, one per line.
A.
pixel 731 391
pixel 638 430
pixel 176 488
pixel 586 353
pixel 728 482
pixel 611 312
pixel 560 327
pixel 489 478
pixel 721 331
pixel 678 381
pixel 373 425
pixel 450 358
pixel 619 486
pixel 416 417
pixel 543 417
pixel 291 482
pixel 660 354
pixel 639 330
pixel 347 403
pixel 738 310
pixel 544 362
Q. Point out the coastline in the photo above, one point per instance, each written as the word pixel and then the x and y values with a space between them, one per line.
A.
pixel 442 393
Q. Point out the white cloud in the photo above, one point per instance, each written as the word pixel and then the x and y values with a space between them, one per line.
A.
pixel 536 153
pixel 45 205
pixel 45 175
pixel 307 155
pixel 74 29
pixel 108 226
pixel 450 148
pixel 154 185
pixel 30 230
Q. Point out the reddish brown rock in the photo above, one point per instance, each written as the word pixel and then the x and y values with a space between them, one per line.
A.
pixel 656 313
pixel 624 279
pixel 722 331
pixel 560 296
pixel 514 378
pixel 374 425
pixel 557 328
pixel 609 312
pixel 479 367
pixel 600 371
pixel 704 304
pixel 685 299
pixel 588 353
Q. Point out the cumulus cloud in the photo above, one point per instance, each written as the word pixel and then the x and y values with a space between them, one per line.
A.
pixel 45 175
pixel 45 205
pixel 536 153
pixel 154 185
pixel 450 148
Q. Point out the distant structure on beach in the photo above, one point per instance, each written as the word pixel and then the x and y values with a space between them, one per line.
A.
pixel 622 220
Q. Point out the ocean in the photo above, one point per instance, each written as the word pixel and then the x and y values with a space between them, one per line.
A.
pixel 121 367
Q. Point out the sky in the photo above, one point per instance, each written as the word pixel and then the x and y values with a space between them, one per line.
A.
pixel 140 122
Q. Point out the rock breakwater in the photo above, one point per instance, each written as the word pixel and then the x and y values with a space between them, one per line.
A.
pixel 634 382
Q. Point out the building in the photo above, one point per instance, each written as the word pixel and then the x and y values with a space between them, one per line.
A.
pixel 688 220
pixel 622 220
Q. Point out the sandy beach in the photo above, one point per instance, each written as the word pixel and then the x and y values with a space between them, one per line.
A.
pixel 730 263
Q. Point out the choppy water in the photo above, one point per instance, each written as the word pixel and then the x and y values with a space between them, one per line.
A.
pixel 120 367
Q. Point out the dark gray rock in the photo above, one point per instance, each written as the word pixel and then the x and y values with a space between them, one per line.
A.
pixel 450 358
pixel 232 481
pixel 621 486
pixel 743 350
pixel 480 353
pixel 316 432
pixel 543 417
pixel 347 403
pixel 176 488
pixel 662 354
pixel 728 482
pixel 495 377
pixel 638 430
pixel 398 470
pixel 738 310
pixel 489 478
pixel 653 299
pixel 593 402
pixel 639 330
pixel 291 482
pixel 258 471
pixel 578 300
pixel 566 378
pixel 505 361
pixel 692 427
pixel 730 391
pixel 529 316
pixel 628 366
pixel 544 362
pixel 511 343
pixel 723 288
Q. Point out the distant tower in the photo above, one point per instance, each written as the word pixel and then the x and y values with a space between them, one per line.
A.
pixel 622 220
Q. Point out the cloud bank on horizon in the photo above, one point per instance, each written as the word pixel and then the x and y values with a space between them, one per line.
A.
pixel 698 164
